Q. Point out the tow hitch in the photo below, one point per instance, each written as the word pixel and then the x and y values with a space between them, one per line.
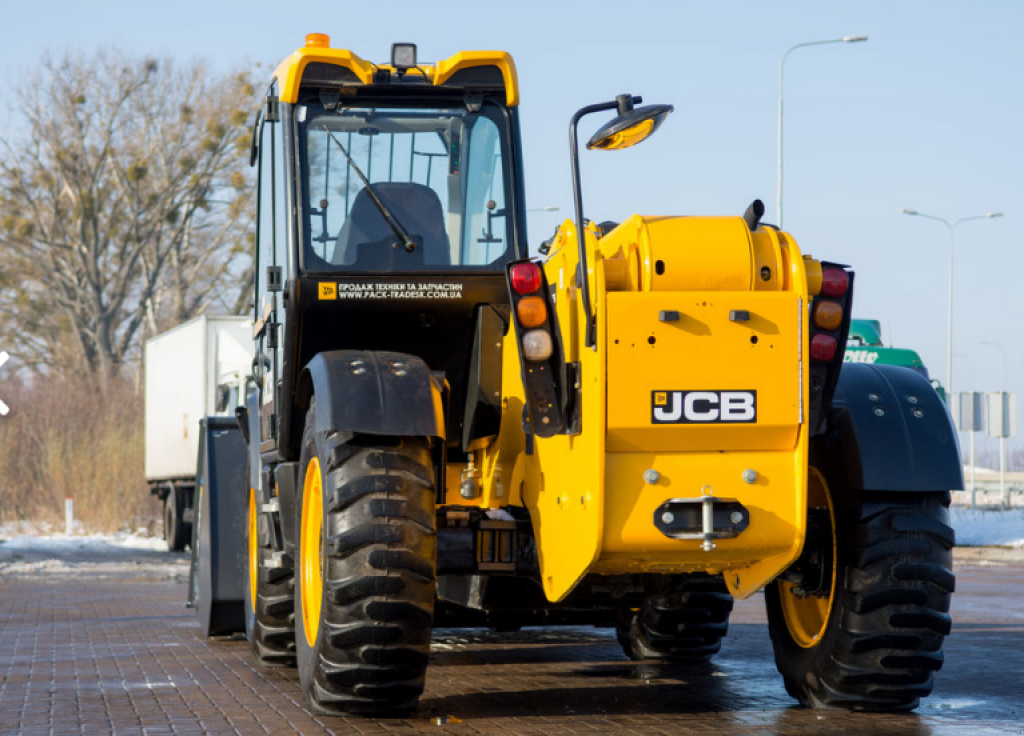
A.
pixel 706 518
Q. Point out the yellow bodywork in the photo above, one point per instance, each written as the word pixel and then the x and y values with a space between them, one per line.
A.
pixel 590 505
pixel 289 72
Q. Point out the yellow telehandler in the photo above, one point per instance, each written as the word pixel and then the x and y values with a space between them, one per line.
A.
pixel 650 422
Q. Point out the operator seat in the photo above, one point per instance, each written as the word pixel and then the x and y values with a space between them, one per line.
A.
pixel 363 240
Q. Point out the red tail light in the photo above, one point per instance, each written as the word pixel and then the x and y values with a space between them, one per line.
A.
pixel 823 348
pixel 834 282
pixel 525 277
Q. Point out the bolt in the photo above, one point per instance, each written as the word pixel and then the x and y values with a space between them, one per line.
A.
pixel 399 372
pixel 359 371
pixel 879 411
pixel 918 413
pixel 912 399
pixel 735 517
pixel 874 397
pixel 749 475
pixel 651 476
pixel 668 517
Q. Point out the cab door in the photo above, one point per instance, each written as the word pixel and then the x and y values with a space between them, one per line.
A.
pixel 271 266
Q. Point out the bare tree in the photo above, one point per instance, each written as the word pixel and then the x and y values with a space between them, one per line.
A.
pixel 126 205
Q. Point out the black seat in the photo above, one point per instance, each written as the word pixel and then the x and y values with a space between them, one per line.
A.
pixel 364 242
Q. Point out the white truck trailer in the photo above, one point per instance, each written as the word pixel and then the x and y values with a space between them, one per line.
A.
pixel 199 368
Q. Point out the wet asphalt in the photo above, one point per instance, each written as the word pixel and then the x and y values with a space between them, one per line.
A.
pixel 94 650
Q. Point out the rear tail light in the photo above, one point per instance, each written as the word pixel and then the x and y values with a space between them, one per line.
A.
pixel 823 348
pixel 828 315
pixel 525 277
pixel 834 282
pixel 537 345
pixel 531 311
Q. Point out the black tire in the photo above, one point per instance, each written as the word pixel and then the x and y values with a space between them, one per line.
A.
pixel 369 651
pixel 882 638
pixel 684 623
pixel 270 604
pixel 176 532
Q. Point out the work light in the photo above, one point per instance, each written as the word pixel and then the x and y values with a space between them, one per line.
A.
pixel 403 56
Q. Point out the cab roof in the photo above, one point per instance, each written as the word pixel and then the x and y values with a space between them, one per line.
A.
pixel 473 71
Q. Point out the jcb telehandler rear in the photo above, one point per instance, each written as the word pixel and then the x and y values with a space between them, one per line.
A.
pixel 631 433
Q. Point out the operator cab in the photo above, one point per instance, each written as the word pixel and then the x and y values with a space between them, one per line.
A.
pixel 391 201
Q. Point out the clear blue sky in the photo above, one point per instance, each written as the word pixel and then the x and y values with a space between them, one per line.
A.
pixel 927 114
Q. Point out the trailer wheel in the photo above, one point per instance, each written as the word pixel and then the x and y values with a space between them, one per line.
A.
pixel 176 532
pixel 269 595
pixel 684 623
pixel 859 621
pixel 366 577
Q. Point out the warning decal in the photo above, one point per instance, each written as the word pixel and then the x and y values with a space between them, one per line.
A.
pixel 398 290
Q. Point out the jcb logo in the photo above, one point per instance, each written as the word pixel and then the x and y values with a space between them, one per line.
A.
pixel 695 407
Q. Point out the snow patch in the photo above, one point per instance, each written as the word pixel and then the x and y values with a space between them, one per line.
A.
pixel 988 527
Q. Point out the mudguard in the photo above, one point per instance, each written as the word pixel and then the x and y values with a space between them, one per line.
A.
pixel 218 532
pixel 369 392
pixel 891 431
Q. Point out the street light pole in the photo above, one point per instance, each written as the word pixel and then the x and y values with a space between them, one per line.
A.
pixel 960 411
pixel 952 232
pixel 782 68
pixel 1002 439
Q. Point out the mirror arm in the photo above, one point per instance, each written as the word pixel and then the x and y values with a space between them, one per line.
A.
pixel 590 335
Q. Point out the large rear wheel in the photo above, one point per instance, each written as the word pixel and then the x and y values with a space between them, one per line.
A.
pixel 269 594
pixel 683 623
pixel 859 621
pixel 366 576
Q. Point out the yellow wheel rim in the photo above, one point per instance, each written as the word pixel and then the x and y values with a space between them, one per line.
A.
pixel 807 618
pixel 254 569
pixel 311 551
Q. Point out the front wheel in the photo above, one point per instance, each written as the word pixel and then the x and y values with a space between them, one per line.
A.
pixel 366 577
pixel 859 622
pixel 269 594
pixel 683 623
pixel 177 533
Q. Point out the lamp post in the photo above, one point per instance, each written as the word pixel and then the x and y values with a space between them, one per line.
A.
pixel 952 232
pixel 960 411
pixel 1002 439
pixel 782 68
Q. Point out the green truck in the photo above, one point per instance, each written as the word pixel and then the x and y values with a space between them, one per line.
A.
pixel 865 346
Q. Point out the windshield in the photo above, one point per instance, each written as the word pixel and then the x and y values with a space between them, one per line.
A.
pixel 441 174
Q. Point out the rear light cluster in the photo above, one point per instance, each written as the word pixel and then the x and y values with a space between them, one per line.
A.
pixel 531 311
pixel 830 314
pixel 830 322
pixel 537 334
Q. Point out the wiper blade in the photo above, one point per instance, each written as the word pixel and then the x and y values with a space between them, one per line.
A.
pixel 396 227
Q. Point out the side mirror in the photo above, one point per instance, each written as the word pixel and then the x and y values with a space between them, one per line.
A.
pixel 630 126
pixel 626 129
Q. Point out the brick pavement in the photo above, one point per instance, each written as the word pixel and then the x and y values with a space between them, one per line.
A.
pixel 124 656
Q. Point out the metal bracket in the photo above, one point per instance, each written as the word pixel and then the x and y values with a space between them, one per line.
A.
pixel 272 109
pixel 271 508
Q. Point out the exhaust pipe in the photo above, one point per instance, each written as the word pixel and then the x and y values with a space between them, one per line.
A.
pixel 754 214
